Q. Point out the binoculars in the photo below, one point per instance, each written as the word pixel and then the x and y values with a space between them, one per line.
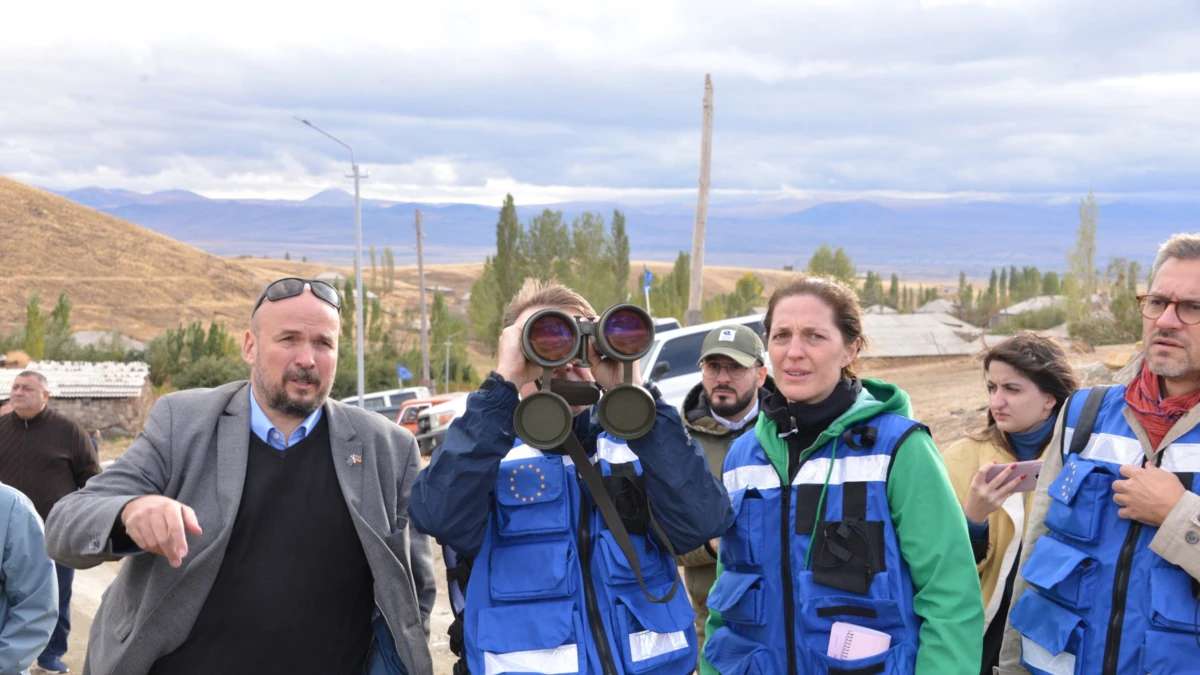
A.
pixel 552 338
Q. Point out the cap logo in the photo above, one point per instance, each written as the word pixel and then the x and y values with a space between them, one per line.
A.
pixel 726 335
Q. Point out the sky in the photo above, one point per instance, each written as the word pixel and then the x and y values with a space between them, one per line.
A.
pixel 566 101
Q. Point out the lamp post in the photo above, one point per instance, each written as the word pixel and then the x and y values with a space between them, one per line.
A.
pixel 358 281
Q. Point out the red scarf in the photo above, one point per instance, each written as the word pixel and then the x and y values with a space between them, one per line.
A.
pixel 1157 414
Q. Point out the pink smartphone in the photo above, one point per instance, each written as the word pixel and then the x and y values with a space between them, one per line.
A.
pixel 1027 473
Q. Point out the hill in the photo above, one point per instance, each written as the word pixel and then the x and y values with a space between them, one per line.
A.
pixel 117 274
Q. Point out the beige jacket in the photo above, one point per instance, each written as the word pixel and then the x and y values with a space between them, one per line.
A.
pixel 1171 542
pixel 963 460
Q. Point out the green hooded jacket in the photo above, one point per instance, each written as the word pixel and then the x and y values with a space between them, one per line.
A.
pixel 929 524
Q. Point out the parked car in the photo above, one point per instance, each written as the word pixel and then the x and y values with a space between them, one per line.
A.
pixel 388 402
pixel 433 421
pixel 407 417
pixel 673 363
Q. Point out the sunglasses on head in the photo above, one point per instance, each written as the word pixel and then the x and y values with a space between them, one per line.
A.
pixel 290 287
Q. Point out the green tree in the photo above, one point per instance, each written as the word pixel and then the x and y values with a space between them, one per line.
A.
pixel 588 273
pixel 894 292
pixel 509 264
pixel 547 247
pixel 35 329
pixel 618 258
pixel 1082 262
pixel 1050 284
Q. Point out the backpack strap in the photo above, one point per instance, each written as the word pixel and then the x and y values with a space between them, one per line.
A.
pixel 1087 419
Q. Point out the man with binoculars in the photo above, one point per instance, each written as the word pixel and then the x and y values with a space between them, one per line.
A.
pixel 571 487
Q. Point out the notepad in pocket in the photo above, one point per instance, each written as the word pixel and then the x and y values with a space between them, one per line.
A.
pixel 848 642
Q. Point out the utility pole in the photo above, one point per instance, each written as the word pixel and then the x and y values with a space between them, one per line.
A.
pixel 358 280
pixel 425 377
pixel 696 287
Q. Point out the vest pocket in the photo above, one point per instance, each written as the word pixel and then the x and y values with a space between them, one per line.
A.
pixel 732 654
pixel 529 571
pixel 530 499
pixel 654 636
pixel 739 598
pixel 1173 602
pixel 820 613
pixel 1051 635
pixel 1062 572
pixel 617 565
pixel 1077 499
pixel 741 543
pixel 1166 653
pixel 536 638
pixel 897 659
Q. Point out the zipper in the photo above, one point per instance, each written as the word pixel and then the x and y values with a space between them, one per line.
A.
pixel 1116 620
pixel 789 603
pixel 593 609
pixel 789 608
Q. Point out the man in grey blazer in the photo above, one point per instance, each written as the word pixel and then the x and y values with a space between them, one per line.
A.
pixel 264 526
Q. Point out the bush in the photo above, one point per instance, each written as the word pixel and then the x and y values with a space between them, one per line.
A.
pixel 1101 330
pixel 210 371
pixel 1038 319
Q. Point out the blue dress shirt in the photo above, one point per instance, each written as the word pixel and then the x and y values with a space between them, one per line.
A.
pixel 261 425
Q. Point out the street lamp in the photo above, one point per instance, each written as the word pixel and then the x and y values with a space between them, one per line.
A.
pixel 358 281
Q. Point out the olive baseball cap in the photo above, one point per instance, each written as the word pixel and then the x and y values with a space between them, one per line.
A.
pixel 736 341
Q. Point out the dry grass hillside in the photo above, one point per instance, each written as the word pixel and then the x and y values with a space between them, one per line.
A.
pixel 117 275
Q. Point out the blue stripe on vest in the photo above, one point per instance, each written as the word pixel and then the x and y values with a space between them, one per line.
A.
pixel 526 604
pixel 749 593
pixel 1064 616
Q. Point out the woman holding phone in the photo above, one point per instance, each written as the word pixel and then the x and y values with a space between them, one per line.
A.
pixel 994 470
pixel 847 553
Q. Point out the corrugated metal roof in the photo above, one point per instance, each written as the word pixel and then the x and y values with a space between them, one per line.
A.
pixel 903 335
pixel 84 380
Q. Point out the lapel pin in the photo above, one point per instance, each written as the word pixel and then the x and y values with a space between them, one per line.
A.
pixel 354 459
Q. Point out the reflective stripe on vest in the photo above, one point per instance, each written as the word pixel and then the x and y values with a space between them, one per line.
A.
pixel 527 606
pixel 1074 570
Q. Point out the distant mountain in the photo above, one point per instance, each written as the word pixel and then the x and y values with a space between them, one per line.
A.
pixel 911 237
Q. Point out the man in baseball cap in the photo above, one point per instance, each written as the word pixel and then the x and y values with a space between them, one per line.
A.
pixel 721 407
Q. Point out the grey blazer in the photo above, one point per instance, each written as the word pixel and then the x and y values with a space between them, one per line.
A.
pixel 194 449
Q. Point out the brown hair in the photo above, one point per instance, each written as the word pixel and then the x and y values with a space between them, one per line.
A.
pixel 536 293
pixel 847 314
pixel 1042 361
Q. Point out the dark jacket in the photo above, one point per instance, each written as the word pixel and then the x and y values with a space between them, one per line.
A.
pixel 452 497
pixel 711 435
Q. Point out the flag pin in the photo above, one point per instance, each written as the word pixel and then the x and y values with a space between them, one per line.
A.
pixel 354 459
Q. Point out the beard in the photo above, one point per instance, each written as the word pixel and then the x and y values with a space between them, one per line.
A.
pixel 279 400
pixel 1172 366
pixel 728 410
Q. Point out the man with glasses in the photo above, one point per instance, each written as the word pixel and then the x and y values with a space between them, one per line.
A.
pixel 1110 576
pixel 263 525
pixel 721 407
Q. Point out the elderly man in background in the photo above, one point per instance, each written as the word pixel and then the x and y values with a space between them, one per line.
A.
pixel 46 456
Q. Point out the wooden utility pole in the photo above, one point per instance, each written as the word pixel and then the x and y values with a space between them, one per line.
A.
pixel 696 287
pixel 425 379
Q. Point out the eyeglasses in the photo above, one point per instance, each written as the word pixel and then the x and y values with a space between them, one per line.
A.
pixel 1154 306
pixel 290 287
pixel 714 368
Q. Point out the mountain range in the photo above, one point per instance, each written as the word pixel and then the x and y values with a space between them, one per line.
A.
pixel 915 238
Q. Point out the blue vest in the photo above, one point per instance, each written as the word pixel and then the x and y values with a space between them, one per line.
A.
pixel 551 592
pixel 1099 600
pixel 856 574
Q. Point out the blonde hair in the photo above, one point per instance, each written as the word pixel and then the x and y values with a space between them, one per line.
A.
pixel 537 293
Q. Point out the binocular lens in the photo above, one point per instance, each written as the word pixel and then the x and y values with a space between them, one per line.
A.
pixel 627 332
pixel 552 337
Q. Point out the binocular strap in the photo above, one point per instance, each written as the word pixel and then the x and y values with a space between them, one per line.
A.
pixel 612 519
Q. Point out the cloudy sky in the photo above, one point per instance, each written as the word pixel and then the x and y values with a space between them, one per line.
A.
pixel 601 100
